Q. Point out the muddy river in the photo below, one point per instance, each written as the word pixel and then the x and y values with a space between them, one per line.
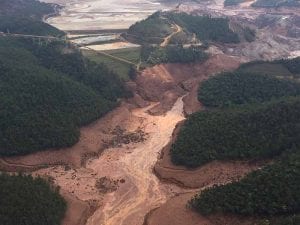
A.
pixel 136 190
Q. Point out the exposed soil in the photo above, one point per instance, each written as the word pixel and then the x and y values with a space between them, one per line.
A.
pixel 77 211
pixel 177 212
pixel 166 82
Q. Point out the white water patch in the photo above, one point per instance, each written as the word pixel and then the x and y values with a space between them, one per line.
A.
pixel 93 39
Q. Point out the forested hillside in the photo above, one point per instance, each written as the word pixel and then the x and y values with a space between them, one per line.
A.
pixel 239 87
pixel 252 132
pixel 261 127
pixel 25 17
pixel 47 92
pixel 206 28
pixel 25 8
pixel 19 25
pixel 28 200
pixel 151 30
pixel 271 191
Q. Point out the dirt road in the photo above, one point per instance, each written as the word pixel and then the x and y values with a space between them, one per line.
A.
pixel 167 39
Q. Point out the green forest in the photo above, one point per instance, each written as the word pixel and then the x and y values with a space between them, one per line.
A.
pixel 47 92
pixel 159 25
pixel 250 132
pixel 29 8
pixel 206 28
pixel 19 25
pixel 151 30
pixel 48 89
pixel 273 190
pixel 234 88
pixel 28 200
pixel 25 17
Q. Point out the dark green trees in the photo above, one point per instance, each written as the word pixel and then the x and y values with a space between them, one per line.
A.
pixel 206 28
pixel 28 200
pixel 238 87
pixel 48 92
pixel 252 132
pixel 273 190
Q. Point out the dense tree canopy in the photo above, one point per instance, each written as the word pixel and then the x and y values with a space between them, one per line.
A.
pixel 239 87
pixel 25 17
pixel 28 200
pixel 48 90
pixel 159 25
pixel 206 27
pixel 46 97
pixel 20 25
pixel 25 8
pixel 252 132
pixel 151 30
pixel 69 61
pixel 273 190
